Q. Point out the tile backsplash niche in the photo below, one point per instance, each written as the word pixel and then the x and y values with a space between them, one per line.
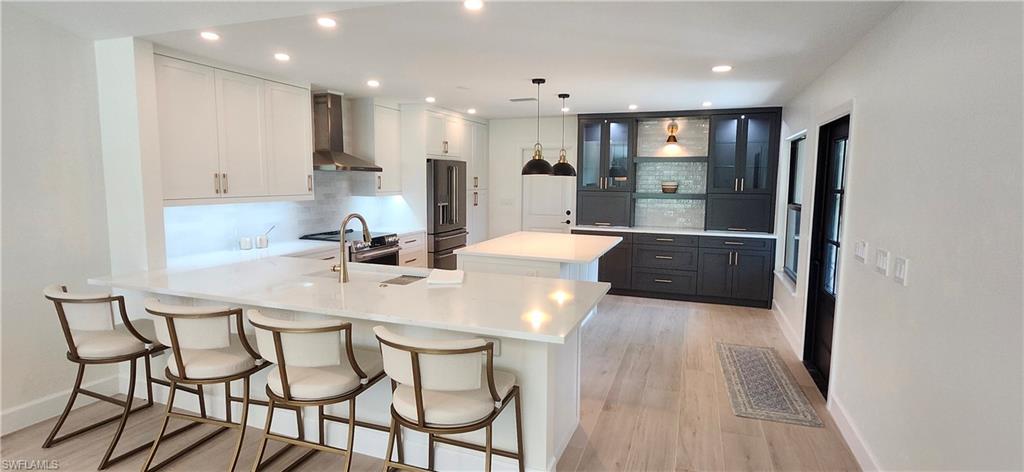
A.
pixel 205 228
pixel 670 213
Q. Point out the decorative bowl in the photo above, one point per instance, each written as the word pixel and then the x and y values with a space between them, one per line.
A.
pixel 669 186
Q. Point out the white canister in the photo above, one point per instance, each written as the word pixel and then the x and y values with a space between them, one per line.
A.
pixel 262 241
pixel 245 244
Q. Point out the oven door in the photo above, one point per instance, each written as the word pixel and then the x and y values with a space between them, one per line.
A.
pixel 383 256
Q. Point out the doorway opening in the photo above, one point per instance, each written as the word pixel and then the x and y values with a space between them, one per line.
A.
pixel 826 226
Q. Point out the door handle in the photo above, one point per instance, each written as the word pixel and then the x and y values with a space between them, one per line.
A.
pixel 663 257
pixel 225 177
pixel 216 183
pixel 568 222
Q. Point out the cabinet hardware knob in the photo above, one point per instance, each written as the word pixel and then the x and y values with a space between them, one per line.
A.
pixel 663 281
pixel 663 257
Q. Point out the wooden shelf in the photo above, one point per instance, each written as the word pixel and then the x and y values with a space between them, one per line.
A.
pixel 640 160
pixel 670 196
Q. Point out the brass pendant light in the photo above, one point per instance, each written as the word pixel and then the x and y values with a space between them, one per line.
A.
pixel 537 165
pixel 673 128
pixel 563 167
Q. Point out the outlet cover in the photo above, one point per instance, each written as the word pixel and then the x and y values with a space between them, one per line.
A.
pixel 860 251
pixel 882 261
pixel 900 267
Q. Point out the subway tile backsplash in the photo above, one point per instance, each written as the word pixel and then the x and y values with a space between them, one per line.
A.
pixel 669 213
pixel 692 176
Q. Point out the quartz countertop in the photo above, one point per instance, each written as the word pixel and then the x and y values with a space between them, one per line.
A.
pixel 681 231
pixel 294 247
pixel 550 247
pixel 499 305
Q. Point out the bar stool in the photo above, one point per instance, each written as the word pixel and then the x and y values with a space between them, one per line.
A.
pixel 313 369
pixel 443 387
pixel 87 320
pixel 202 353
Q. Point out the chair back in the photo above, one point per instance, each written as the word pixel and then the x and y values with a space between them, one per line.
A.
pixel 443 365
pixel 196 327
pixel 82 311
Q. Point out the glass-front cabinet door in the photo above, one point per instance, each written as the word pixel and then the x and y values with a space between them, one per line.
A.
pixel 606 154
pixel 741 159
pixel 590 150
pixel 723 155
pixel 756 172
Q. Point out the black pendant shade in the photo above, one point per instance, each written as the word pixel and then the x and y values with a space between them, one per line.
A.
pixel 537 165
pixel 563 167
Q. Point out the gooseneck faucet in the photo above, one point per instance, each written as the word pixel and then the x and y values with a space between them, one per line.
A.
pixel 343 267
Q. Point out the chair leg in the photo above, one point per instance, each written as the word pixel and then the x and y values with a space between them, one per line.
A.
pixel 391 444
pixel 430 451
pixel 202 401
pixel 242 424
pixel 149 381
pixel 263 440
pixel 227 401
pixel 519 429
pixel 351 433
pixel 67 408
pixel 299 427
pixel 320 421
pixel 487 448
pixel 399 444
pixel 163 426
pixel 124 417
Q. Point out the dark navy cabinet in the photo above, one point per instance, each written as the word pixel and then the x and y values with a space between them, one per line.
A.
pixel 603 208
pixel 732 212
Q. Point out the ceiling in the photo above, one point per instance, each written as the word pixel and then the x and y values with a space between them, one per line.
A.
pixel 607 55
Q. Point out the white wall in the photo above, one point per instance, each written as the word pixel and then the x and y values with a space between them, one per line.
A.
pixel 54 219
pixel 508 137
pixel 928 376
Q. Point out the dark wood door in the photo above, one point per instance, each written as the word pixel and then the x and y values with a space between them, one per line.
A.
pixel 615 266
pixel 751 275
pixel 603 208
pixel 715 276
pixel 825 246
pixel 724 154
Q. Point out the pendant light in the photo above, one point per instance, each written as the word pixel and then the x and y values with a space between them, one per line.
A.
pixel 563 167
pixel 537 165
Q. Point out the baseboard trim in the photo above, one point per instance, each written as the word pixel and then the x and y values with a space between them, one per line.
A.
pixel 851 434
pixel 30 413
pixel 787 330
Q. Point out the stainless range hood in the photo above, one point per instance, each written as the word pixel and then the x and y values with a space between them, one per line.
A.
pixel 328 139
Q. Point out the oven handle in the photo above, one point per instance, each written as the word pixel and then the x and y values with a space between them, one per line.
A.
pixel 366 255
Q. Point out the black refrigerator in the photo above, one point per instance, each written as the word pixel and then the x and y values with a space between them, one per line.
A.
pixel 446 211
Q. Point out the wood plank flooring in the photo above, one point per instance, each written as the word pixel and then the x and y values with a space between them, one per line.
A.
pixel 653 399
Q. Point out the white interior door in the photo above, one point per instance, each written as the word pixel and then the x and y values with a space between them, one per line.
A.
pixel 549 202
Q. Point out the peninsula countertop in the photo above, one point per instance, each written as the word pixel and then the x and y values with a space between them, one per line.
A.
pixel 550 247
pixel 681 231
pixel 509 306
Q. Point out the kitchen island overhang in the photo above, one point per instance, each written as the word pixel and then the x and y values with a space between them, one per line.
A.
pixel 534 321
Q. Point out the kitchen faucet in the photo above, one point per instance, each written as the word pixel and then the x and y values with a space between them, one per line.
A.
pixel 343 267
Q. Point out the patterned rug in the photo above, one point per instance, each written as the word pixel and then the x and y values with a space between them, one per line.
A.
pixel 761 387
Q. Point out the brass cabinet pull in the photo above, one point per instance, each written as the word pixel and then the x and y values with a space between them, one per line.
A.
pixel 216 182
pixel 732 243
pixel 476 199
pixel 666 240
pixel 476 182
pixel 410 260
pixel 309 182
pixel 736 229
pixel 601 223
pixel 378 182
pixel 742 181
pixel 735 185
pixel 730 257
pixel 225 177
pixel 663 281
pixel 663 257
pixel 736 259
pixel 409 241
pixel 444 144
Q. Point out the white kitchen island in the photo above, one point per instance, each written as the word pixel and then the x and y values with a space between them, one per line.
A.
pixel 534 321
pixel 556 255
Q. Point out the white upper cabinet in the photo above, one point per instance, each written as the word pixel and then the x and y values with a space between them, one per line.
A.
pixel 229 136
pixel 376 137
pixel 240 129
pixel 476 153
pixel 445 135
pixel 289 141
pixel 187 114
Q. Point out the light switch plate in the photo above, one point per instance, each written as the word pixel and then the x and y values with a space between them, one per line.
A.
pixel 860 251
pixel 900 267
pixel 882 261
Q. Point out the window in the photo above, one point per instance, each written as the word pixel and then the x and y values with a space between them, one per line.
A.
pixel 794 201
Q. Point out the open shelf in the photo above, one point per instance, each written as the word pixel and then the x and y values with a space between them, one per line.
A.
pixel 641 159
pixel 670 196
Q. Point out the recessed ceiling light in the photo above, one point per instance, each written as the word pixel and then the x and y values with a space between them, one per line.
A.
pixel 280 56
pixel 473 4
pixel 721 68
pixel 705 104
pixel 471 111
pixel 565 109
pixel 326 22
pixel 633 107
pixel 209 35
pixel 373 83
pixel 430 99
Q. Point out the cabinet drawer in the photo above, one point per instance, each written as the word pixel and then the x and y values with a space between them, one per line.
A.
pixel 667 281
pixel 737 243
pixel 627 238
pixel 411 241
pixel 663 257
pixel 666 239
pixel 413 258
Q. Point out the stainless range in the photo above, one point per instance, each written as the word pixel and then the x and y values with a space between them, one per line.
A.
pixel 382 248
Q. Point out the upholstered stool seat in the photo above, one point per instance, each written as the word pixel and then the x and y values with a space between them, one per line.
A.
pixel 441 408
pixel 212 363
pixel 315 383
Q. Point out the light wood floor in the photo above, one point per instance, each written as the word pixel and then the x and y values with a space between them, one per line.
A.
pixel 653 399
